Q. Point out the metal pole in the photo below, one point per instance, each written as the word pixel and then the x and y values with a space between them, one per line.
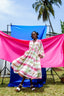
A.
pixel 7 28
pixel 5 67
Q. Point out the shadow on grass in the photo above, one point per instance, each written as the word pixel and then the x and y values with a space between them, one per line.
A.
pixel 3 85
pixel 38 90
pixel 26 89
pixel 51 82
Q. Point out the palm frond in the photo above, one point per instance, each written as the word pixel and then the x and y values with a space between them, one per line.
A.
pixel 40 12
pixel 59 2
pixel 39 15
pixel 37 7
pixel 35 4
pixel 45 14
pixel 51 10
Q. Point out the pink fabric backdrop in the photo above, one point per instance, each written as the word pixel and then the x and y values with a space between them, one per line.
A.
pixel 12 48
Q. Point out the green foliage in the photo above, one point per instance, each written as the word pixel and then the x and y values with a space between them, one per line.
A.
pixel 45 8
pixel 62 26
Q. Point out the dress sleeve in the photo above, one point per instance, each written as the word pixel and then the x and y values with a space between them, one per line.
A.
pixel 27 52
pixel 41 49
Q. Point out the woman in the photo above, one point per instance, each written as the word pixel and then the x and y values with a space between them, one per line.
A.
pixel 28 65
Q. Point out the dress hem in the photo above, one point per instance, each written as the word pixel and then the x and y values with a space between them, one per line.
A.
pixel 24 74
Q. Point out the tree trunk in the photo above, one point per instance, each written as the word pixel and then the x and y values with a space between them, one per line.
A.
pixel 51 25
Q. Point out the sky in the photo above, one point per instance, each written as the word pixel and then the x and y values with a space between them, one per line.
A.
pixel 20 12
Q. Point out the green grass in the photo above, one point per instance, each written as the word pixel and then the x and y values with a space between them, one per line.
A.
pixel 49 89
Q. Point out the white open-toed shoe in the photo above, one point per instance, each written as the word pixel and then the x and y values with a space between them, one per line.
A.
pixel 32 88
pixel 18 89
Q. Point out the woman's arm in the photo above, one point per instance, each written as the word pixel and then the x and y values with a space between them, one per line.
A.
pixel 41 50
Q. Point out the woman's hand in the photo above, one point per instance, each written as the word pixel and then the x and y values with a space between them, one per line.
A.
pixel 40 55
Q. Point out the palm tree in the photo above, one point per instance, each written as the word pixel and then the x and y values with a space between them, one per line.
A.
pixel 45 8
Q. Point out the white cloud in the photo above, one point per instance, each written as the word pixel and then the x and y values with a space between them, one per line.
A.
pixel 4 6
pixel 9 7
pixel 16 9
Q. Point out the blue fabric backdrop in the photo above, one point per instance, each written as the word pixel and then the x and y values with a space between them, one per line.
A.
pixel 24 32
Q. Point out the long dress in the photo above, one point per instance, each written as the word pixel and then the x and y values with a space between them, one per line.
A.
pixel 28 64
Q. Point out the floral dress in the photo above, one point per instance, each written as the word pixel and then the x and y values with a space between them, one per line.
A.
pixel 28 64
